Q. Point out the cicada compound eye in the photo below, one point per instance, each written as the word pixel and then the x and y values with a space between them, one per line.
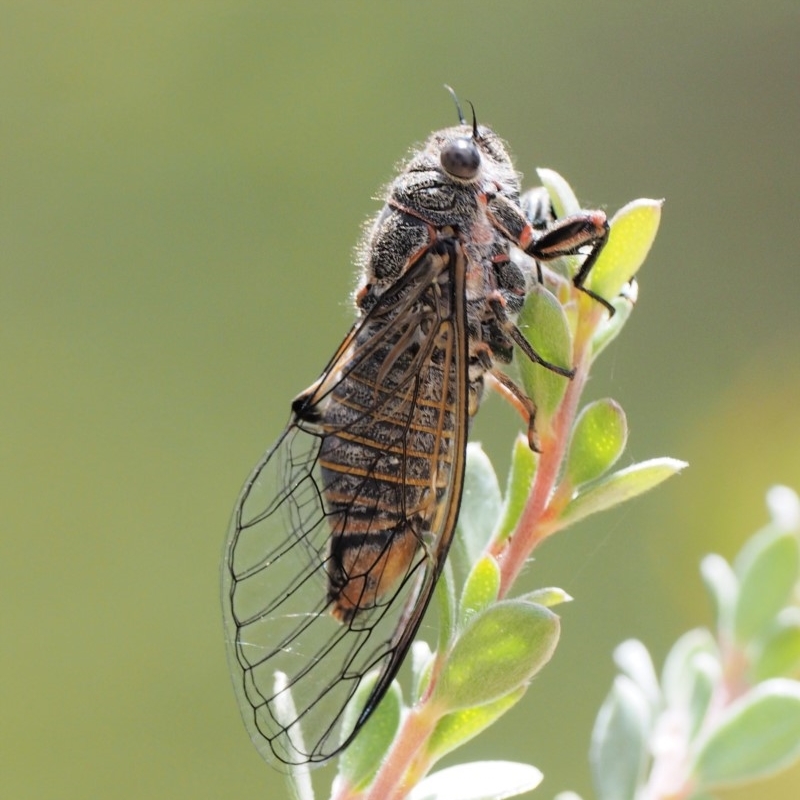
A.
pixel 461 158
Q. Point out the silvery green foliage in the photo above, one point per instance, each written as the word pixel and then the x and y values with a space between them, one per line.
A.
pixel 726 710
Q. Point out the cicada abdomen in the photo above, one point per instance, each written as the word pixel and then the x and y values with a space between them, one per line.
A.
pixel 387 414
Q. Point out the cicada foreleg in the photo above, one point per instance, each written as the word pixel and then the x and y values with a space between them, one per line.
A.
pixel 562 237
pixel 566 237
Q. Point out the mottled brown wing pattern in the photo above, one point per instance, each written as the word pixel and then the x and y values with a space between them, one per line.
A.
pixel 342 529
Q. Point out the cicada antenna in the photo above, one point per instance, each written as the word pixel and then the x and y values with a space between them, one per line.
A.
pixel 474 121
pixel 458 105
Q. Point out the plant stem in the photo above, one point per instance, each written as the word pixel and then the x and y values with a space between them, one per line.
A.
pixel 391 779
pixel 539 509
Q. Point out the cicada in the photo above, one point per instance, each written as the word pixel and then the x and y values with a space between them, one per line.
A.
pixel 342 529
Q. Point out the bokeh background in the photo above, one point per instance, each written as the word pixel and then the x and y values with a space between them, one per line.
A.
pixel 181 187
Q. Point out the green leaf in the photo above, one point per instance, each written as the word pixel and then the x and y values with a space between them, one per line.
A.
pixel 620 486
pixel 499 650
pixel 767 567
pixel 678 674
pixel 707 677
pixel 454 729
pixel 778 654
pixel 360 760
pixel 610 327
pixel 758 735
pixel 298 779
pixel 723 586
pixel 481 588
pixel 446 605
pixel 633 230
pixel 548 597
pixel 544 324
pixel 480 780
pixel 598 439
pixel 520 481
pixel 298 776
pixel 618 752
pixel 421 667
pixel 563 198
pixel 691 671
pixel 784 508
pixel 634 661
pixel 481 504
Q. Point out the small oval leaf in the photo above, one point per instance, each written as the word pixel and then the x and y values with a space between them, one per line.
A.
pixel 677 676
pixel 767 568
pixel 548 596
pixel 481 504
pixel 620 486
pixel 298 776
pixel 520 481
pixel 563 198
pixel 778 654
pixel 421 668
pixel 454 729
pixel 758 735
pixel 633 230
pixel 360 760
pixel 633 660
pixel 706 676
pixel 481 588
pixel 499 650
pixel 598 439
pixel 610 327
pixel 480 780
pixel 618 752
pixel 722 584
pixel 784 508
pixel 544 324
pixel 446 606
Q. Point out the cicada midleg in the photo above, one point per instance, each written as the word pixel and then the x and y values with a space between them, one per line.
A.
pixel 342 530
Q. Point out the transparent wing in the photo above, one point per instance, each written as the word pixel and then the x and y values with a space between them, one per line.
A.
pixel 341 531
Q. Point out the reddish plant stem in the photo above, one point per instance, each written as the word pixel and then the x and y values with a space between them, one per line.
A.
pixel 390 781
pixel 533 526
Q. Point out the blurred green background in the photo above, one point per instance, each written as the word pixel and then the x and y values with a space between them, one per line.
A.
pixel 182 185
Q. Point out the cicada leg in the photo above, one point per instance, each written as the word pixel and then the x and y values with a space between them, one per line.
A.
pixel 566 237
pixel 562 237
pixel 517 397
